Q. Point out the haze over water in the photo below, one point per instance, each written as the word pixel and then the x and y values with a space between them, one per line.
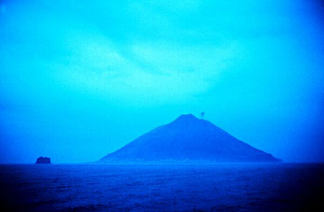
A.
pixel 81 79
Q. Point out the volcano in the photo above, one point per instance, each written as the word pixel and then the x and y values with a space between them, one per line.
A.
pixel 188 139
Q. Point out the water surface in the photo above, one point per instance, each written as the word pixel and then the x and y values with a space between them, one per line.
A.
pixel 222 187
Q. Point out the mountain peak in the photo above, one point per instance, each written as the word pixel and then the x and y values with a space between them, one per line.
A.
pixel 189 138
pixel 186 117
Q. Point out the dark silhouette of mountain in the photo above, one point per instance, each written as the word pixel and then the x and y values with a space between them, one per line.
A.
pixel 188 139
pixel 43 160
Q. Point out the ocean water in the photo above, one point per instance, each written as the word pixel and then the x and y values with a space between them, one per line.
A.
pixel 222 187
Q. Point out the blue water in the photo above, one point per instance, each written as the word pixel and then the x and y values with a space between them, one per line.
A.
pixel 223 187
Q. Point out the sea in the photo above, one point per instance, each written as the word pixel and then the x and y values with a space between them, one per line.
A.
pixel 198 187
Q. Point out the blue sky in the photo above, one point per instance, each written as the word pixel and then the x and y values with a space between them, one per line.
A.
pixel 81 79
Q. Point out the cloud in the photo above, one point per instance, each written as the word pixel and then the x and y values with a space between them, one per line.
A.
pixel 160 72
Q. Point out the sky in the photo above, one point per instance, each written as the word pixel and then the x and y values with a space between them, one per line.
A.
pixel 80 79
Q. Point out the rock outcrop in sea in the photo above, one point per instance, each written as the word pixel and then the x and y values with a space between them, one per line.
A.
pixel 43 160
